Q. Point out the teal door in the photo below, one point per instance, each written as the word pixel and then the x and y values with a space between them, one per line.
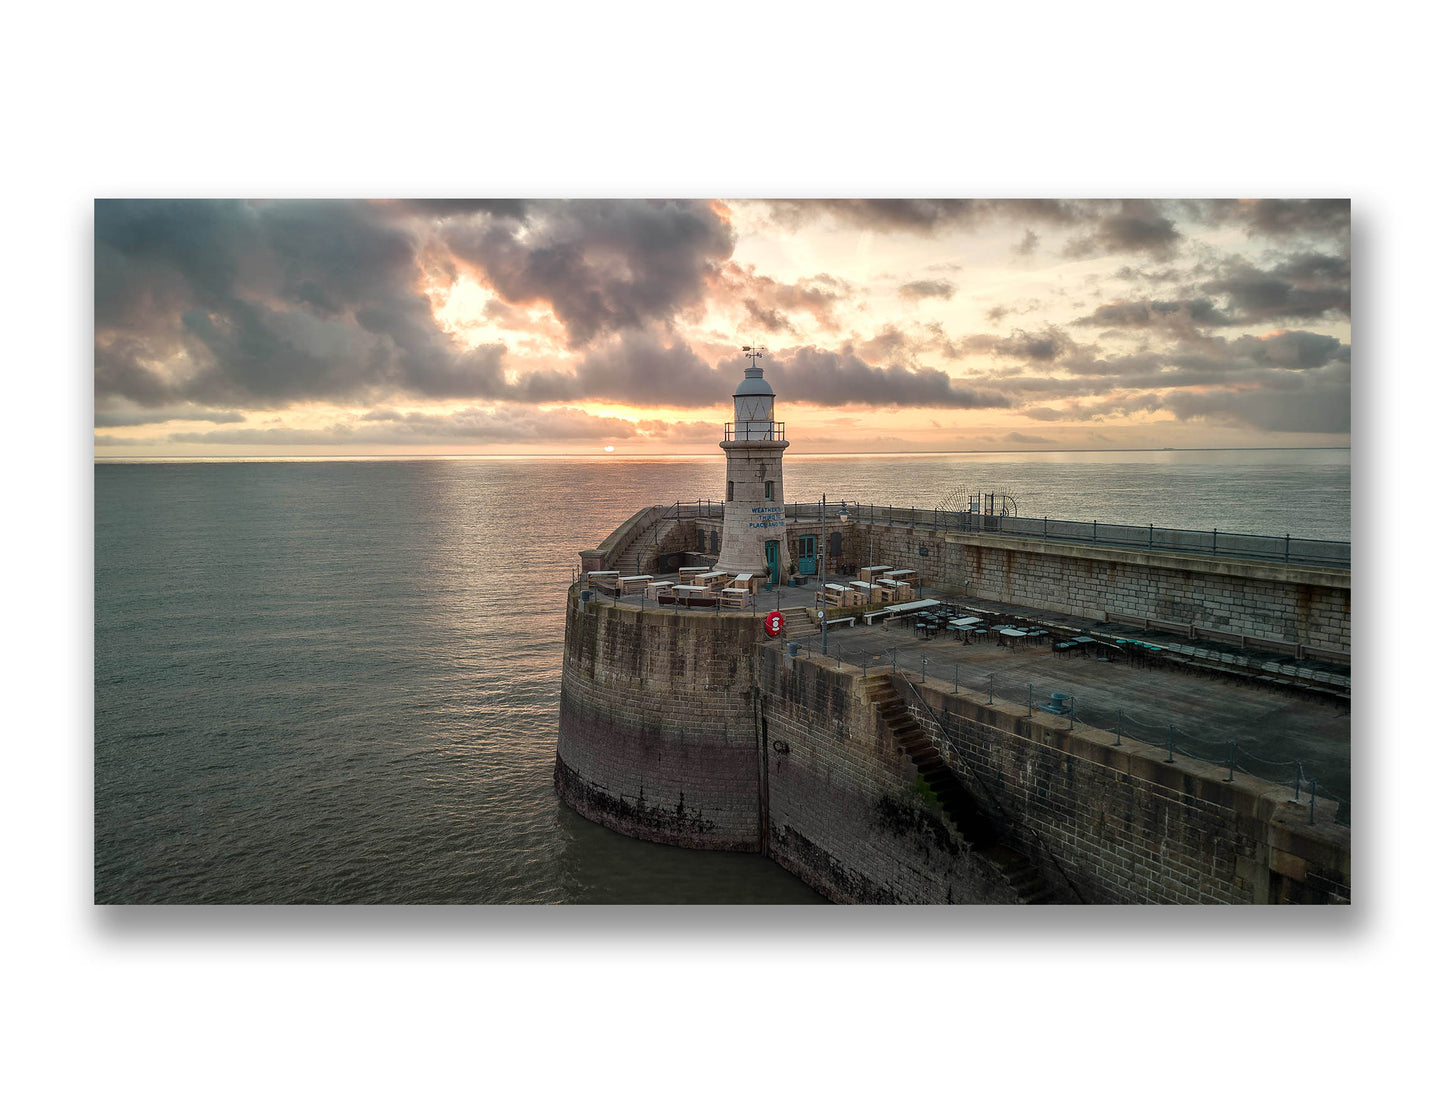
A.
pixel 808 554
pixel 772 553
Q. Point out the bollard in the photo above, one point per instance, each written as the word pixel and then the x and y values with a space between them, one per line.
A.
pixel 1171 745
pixel 1119 728
pixel 1231 762
pixel 1031 699
pixel 990 689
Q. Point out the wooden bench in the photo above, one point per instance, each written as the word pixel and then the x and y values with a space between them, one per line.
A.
pixel 844 622
pixel 747 581
pixel 634 584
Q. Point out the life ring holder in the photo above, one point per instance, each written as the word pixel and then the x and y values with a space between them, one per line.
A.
pixel 773 623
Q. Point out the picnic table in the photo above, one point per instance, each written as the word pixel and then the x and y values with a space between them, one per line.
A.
pixel 692 595
pixel 734 597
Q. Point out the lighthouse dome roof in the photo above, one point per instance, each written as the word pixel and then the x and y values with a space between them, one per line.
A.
pixel 753 383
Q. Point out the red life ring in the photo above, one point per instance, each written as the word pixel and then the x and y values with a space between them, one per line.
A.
pixel 773 623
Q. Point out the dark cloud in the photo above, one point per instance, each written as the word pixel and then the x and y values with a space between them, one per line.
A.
pixel 1282 218
pixel 1042 346
pixel 1307 285
pixel 830 378
pixel 1027 245
pixel 460 208
pixel 926 289
pixel 267 304
pixel 118 419
pixel 925 216
pixel 917 215
pixel 1318 408
pixel 1138 226
pixel 1166 314
pixel 602 266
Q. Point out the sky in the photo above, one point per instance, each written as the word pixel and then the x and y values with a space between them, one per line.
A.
pixel 615 326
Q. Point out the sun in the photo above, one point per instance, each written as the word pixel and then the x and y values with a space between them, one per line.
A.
pixel 606 448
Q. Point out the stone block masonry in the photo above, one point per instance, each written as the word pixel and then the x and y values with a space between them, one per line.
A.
pixel 1122 825
pixel 1293 606
pixel 844 811
pixel 657 733
pixel 693 728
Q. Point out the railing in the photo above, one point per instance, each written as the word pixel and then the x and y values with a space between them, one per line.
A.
pixel 1207 542
pixel 1199 542
pixel 753 431
pixel 1099 714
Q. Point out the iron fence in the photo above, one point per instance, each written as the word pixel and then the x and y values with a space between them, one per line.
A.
pixel 1094 712
pixel 1209 542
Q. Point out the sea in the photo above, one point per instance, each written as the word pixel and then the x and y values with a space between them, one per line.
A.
pixel 337 680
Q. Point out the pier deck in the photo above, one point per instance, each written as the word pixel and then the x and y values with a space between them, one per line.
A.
pixel 1271 727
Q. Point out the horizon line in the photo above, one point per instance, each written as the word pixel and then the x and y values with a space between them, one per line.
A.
pixel 240 457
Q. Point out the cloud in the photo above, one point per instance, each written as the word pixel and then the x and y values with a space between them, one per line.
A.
pixel 503 425
pixel 841 378
pixel 1302 286
pixel 1164 314
pixel 1315 409
pixel 925 289
pixel 773 304
pixel 115 419
pixel 1041 346
pixel 267 304
pixel 1136 227
pixel 602 266
pixel 1283 218
pixel 926 216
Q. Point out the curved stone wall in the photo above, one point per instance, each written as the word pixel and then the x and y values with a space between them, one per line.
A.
pixel 657 732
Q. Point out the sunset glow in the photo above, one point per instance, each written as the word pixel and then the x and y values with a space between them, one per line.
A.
pixel 554 326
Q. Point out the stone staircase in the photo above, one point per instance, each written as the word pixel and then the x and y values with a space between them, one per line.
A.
pixel 957 806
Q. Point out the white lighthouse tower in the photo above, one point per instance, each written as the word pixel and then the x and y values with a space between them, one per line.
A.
pixel 753 526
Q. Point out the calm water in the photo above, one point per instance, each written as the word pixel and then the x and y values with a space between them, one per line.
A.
pixel 338 681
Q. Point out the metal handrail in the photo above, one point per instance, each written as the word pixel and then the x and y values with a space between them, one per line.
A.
pixel 754 431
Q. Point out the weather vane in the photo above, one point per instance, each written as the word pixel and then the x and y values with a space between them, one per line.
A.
pixel 752 352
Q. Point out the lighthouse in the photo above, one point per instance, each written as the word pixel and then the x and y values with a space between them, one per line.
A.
pixel 753 525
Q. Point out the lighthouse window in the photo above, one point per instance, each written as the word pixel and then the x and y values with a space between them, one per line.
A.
pixel 730 490
pixel 768 491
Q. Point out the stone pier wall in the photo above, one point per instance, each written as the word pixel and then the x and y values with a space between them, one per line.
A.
pixel 1291 607
pixel 657 732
